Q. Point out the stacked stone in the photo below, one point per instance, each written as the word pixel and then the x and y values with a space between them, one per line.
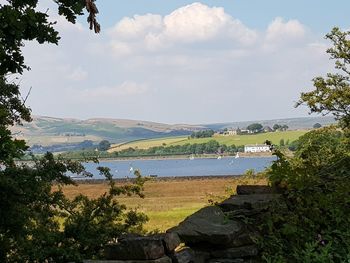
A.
pixel 214 234
pixel 220 234
pixel 162 248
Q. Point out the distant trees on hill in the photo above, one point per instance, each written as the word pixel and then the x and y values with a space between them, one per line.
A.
pixel 255 128
pixel 202 134
pixel 104 145
pixel 278 127
pixel 317 125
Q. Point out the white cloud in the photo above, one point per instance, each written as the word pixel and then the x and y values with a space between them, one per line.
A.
pixel 196 64
pixel 198 22
pixel 137 26
pixel 279 30
pixel 195 23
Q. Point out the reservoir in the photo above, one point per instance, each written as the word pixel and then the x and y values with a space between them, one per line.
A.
pixel 181 167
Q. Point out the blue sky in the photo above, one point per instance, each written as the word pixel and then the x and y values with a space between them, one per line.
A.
pixel 184 61
pixel 318 15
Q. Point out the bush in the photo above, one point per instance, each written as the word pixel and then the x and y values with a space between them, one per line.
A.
pixel 312 224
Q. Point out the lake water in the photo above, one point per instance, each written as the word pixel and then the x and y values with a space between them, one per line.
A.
pixel 181 167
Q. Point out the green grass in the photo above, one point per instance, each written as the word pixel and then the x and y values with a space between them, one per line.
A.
pixel 162 220
pixel 145 144
pixel 274 137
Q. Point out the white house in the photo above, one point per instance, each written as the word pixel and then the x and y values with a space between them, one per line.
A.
pixel 231 132
pixel 256 148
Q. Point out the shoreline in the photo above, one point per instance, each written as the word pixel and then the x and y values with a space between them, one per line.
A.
pixel 159 179
pixel 185 157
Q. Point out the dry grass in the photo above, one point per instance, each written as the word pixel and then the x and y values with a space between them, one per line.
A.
pixel 169 202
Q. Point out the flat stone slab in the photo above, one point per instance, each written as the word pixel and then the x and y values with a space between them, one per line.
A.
pixel 208 225
pixel 237 252
pixel 159 260
pixel 254 189
pixel 136 248
pixel 249 202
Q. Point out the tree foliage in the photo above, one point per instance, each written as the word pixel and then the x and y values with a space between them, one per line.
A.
pixel 332 93
pixel 202 134
pixel 313 221
pixel 255 127
pixel 32 203
pixel 104 145
pixel 317 125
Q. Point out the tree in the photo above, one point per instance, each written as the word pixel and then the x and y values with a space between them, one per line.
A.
pixel 317 125
pixel 104 145
pixel 276 127
pixel 313 223
pixel 29 206
pixel 284 127
pixel 255 127
pixel 332 93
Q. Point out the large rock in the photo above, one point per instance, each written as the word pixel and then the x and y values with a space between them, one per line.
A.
pixel 236 252
pixel 159 260
pixel 208 225
pixel 200 255
pixel 254 189
pixel 136 248
pixel 185 255
pixel 171 241
pixel 248 202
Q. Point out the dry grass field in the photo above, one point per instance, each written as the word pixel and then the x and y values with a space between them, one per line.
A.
pixel 168 202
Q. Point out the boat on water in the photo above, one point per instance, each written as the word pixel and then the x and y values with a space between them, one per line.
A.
pixel 237 156
pixel 191 157
pixel 219 157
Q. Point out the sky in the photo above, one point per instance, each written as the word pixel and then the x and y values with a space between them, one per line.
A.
pixel 184 61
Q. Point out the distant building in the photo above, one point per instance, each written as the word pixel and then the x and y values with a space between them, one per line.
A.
pixel 256 148
pixel 245 131
pixel 230 132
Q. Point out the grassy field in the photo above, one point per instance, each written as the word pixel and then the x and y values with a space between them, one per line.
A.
pixel 145 144
pixel 169 202
pixel 275 137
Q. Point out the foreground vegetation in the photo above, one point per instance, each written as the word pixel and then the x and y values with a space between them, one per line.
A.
pixel 168 202
pixel 311 225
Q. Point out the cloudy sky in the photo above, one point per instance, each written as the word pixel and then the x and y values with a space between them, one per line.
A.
pixel 183 61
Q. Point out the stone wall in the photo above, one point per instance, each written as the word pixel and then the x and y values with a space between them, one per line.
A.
pixel 214 234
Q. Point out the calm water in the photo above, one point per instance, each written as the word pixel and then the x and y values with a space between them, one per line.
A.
pixel 182 167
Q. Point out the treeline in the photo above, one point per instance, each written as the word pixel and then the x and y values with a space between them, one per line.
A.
pixel 210 147
pixel 203 134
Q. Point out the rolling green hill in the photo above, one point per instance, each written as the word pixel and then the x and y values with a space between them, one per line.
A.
pixel 49 131
pixel 274 137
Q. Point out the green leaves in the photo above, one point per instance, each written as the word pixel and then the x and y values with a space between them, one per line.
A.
pixel 315 226
pixel 332 93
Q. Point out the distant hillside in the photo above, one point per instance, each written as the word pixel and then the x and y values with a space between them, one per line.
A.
pixel 293 123
pixel 48 131
pixel 66 133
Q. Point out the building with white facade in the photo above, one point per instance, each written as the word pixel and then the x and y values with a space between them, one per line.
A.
pixel 256 148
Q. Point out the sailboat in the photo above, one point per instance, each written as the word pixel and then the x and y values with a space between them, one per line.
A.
pixel 237 156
